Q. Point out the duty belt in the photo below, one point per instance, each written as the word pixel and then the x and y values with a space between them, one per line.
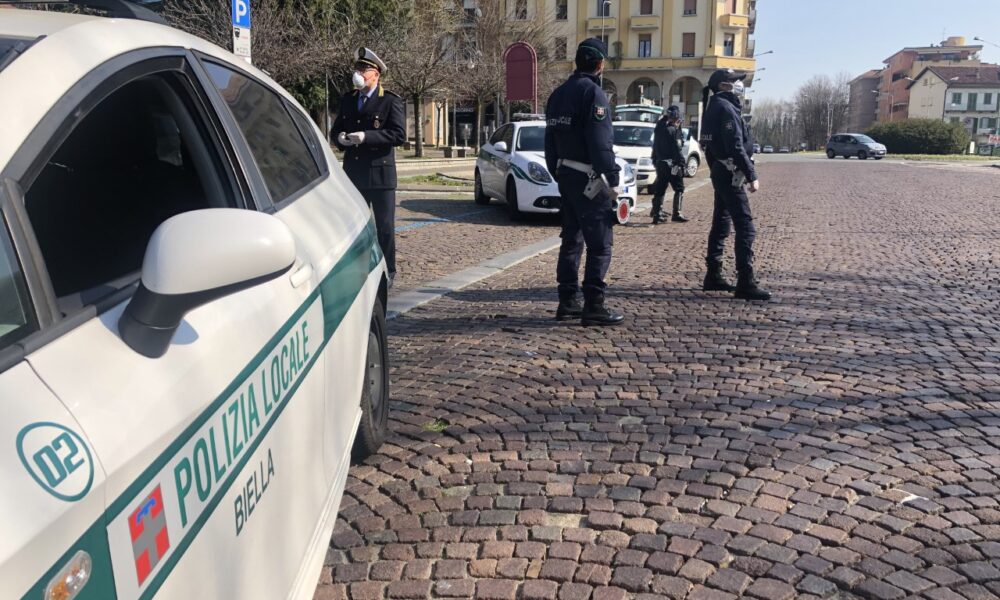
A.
pixel 578 166
pixel 739 179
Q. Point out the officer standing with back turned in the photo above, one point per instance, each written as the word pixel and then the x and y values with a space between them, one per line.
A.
pixel 370 123
pixel 578 151
pixel 728 148
pixel 670 163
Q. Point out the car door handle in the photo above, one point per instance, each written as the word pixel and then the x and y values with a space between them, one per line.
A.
pixel 302 275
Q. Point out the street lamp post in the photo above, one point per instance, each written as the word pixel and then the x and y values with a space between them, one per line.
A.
pixel 979 39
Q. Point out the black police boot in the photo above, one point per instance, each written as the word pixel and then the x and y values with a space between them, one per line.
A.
pixel 747 288
pixel 678 203
pixel 595 313
pixel 715 281
pixel 657 213
pixel 569 308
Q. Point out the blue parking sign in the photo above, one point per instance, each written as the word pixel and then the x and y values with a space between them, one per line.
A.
pixel 241 13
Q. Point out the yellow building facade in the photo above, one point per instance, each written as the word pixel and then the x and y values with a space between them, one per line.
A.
pixel 662 51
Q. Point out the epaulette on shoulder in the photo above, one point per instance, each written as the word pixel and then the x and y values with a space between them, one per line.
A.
pixel 394 94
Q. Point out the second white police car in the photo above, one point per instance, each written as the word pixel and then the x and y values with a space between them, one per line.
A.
pixel 192 327
pixel 511 168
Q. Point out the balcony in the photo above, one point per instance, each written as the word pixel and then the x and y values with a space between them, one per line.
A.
pixel 645 22
pixel 735 21
pixel 595 23
pixel 752 19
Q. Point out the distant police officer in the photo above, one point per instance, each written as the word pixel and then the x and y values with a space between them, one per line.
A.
pixel 728 148
pixel 578 150
pixel 370 123
pixel 667 141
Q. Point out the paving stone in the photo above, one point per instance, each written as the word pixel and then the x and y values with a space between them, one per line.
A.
pixel 770 589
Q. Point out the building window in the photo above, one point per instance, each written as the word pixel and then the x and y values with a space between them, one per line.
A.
pixel 729 45
pixel 956 98
pixel 603 10
pixel 731 6
pixel 646 7
pixel 560 53
pixel 987 98
pixel 972 101
pixel 521 10
pixel 645 45
pixel 690 7
pixel 687 47
pixel 562 10
pixel 604 38
pixel 954 120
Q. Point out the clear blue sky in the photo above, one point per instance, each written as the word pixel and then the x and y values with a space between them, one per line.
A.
pixel 811 37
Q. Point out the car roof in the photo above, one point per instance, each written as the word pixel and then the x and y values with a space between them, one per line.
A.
pixel 70 47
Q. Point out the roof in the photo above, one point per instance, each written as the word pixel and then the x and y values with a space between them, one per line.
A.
pixel 634 124
pixel 870 74
pixel 978 76
pixel 937 49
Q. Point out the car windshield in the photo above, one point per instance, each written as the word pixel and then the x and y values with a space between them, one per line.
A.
pixel 531 139
pixel 642 116
pixel 632 135
pixel 11 48
pixel 864 139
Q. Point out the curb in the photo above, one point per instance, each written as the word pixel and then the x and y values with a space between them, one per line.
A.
pixel 411 299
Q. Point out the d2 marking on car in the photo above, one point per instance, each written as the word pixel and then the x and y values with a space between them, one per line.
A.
pixel 147 526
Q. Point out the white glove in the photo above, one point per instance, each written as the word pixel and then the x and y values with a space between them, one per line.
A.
pixel 343 140
pixel 357 138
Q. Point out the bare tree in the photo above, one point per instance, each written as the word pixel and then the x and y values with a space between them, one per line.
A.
pixel 482 42
pixel 290 45
pixel 419 48
pixel 821 103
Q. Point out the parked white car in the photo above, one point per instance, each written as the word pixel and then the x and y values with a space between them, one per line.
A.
pixel 511 168
pixel 634 143
pixel 192 333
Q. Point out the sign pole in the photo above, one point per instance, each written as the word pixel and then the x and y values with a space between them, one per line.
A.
pixel 241 29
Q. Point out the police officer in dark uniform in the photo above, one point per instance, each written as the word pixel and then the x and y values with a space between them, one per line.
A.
pixel 728 145
pixel 667 141
pixel 578 150
pixel 370 123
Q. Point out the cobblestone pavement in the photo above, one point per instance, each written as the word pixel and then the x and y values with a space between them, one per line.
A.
pixel 841 441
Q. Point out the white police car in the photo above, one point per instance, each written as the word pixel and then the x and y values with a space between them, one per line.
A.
pixel 192 333
pixel 634 143
pixel 511 168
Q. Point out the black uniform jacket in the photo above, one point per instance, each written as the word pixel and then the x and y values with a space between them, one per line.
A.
pixel 724 133
pixel 667 142
pixel 578 127
pixel 372 165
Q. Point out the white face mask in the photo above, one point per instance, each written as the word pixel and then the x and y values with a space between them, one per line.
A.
pixel 738 88
pixel 358 80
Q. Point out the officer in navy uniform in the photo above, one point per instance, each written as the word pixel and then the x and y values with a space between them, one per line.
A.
pixel 578 150
pixel 667 141
pixel 370 123
pixel 728 145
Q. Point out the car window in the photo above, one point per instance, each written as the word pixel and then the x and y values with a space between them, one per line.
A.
pixel 508 137
pixel 305 125
pixel 531 139
pixel 140 156
pixel 16 317
pixel 281 154
pixel 631 135
pixel 499 134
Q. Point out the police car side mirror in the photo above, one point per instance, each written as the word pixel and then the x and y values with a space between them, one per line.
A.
pixel 501 147
pixel 196 257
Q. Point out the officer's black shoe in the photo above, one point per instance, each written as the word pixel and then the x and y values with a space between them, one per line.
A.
pixel 595 313
pixel 715 281
pixel 747 288
pixel 678 203
pixel 569 309
pixel 657 213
